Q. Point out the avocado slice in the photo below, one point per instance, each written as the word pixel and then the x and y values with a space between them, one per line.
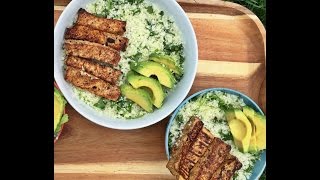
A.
pixel 253 140
pixel 258 121
pixel 240 127
pixel 59 116
pixel 249 112
pixel 139 96
pixel 167 61
pixel 138 81
pixel 148 68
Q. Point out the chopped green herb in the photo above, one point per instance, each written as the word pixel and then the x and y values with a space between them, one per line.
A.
pixel 136 57
pixel 235 175
pixel 195 98
pixel 170 141
pixel 150 9
pixel 152 33
pixel 107 8
pixel 226 137
pixel 168 48
pixel 179 119
pixel 177 76
pixel 216 120
pixel 161 13
pixel 170 22
pixel 169 32
pixel 181 58
pixel 101 104
pixel 149 27
pixel 225 106
pixel 136 11
pixel 148 22
pixel 135 1
pixel 249 169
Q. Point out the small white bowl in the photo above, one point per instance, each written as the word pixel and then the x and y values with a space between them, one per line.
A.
pixel 172 8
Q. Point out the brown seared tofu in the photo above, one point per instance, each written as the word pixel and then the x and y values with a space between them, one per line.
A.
pixel 190 133
pixel 92 84
pixel 101 71
pixel 103 24
pixel 85 33
pixel 227 168
pixel 116 42
pixel 91 50
pixel 210 161
pixel 191 156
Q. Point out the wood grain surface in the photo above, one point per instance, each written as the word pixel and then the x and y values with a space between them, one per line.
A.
pixel 231 42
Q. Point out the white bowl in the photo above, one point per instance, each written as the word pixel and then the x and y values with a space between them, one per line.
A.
pixel 171 102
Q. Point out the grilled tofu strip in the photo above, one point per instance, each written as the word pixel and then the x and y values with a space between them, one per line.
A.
pixel 210 161
pixel 227 168
pixel 108 25
pixel 190 133
pixel 103 72
pixel 92 84
pixel 85 33
pixel 91 50
pixel 191 156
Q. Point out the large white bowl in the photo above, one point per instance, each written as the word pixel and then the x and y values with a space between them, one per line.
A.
pixel 172 8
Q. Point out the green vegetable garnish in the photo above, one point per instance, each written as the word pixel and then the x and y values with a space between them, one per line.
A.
pixel 150 9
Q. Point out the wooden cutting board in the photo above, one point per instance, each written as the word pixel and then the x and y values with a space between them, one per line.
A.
pixel 231 42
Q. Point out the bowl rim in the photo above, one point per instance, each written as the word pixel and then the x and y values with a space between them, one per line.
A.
pixel 227 90
pixel 149 121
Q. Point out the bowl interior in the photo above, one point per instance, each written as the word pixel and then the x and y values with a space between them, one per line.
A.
pixel 174 98
pixel 260 165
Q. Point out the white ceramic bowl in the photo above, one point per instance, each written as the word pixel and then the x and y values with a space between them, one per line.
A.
pixel 171 102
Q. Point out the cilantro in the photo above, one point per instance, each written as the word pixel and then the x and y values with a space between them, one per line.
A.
pixel 136 11
pixel 148 22
pixel 136 57
pixel 177 76
pixel 181 58
pixel 168 48
pixel 226 137
pixel 168 31
pixel 123 104
pixel 249 169
pixel 150 9
pixel 149 27
pixel 235 175
pixel 101 104
pixel 135 1
pixel 194 98
pixel 216 120
pixel 221 103
pixel 170 141
pixel 179 119
pixel 107 8
pixel 152 33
